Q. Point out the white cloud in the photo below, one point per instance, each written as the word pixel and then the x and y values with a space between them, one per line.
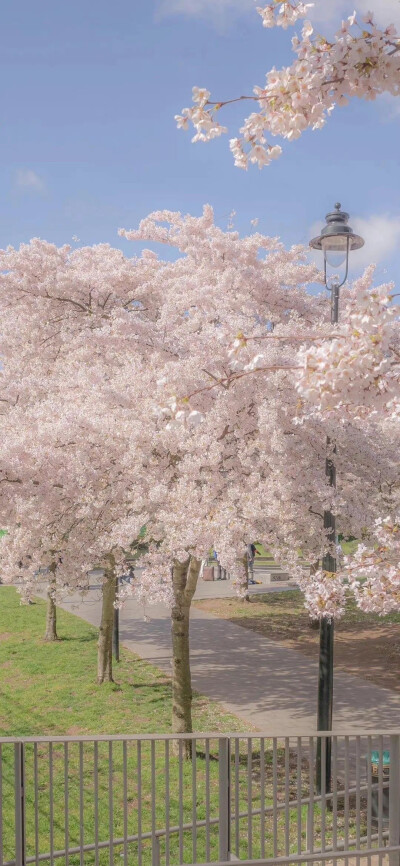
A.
pixel 332 11
pixel 390 106
pixel 324 12
pixel 218 11
pixel 381 234
pixel 27 179
pixel 382 238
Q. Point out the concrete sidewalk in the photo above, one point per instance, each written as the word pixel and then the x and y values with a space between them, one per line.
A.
pixel 270 687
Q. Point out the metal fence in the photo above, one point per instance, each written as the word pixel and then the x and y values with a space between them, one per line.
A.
pixel 198 799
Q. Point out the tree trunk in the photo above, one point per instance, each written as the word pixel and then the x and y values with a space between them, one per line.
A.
pixel 246 596
pixel 314 623
pixel 104 646
pixel 184 582
pixel 51 615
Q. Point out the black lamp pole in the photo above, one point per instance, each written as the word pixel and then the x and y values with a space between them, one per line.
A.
pixel 115 636
pixel 336 240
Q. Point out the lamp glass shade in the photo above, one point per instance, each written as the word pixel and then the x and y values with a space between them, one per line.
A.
pixel 336 249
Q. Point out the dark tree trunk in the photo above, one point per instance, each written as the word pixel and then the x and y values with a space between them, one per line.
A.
pixel 104 647
pixel 246 596
pixel 314 623
pixel 51 614
pixel 184 582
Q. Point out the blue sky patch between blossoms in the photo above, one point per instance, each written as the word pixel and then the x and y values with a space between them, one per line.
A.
pixel 88 141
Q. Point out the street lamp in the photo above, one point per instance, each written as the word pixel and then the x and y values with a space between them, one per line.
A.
pixel 336 241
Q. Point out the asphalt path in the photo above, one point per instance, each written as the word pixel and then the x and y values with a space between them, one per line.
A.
pixel 271 687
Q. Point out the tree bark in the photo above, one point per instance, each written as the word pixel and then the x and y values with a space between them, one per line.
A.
pixel 246 596
pixel 184 582
pixel 314 623
pixel 51 614
pixel 104 646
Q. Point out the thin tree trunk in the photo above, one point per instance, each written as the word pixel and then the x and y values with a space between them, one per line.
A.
pixel 104 646
pixel 51 614
pixel 184 582
pixel 246 596
pixel 312 622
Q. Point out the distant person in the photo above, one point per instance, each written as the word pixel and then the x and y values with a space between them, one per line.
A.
pixel 339 555
pixel 251 555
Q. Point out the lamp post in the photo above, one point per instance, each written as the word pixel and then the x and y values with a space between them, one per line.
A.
pixel 115 635
pixel 336 241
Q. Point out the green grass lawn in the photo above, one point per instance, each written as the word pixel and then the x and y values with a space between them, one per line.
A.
pixel 348 547
pixel 50 689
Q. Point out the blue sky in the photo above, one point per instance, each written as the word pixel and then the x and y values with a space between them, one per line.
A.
pixel 88 141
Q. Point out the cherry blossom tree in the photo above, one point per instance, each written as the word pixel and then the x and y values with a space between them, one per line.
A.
pixel 361 61
pixel 147 412
pixel 55 303
pixel 272 469
pixel 356 375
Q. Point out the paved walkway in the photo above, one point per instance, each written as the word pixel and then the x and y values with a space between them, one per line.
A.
pixel 265 684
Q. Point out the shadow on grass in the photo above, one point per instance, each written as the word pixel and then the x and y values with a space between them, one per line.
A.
pixel 84 638
pixel 152 686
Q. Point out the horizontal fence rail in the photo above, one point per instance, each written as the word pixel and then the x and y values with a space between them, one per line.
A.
pixel 161 800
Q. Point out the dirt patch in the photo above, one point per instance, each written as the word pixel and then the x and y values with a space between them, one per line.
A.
pixel 370 650
pixel 76 731
pixel 5 635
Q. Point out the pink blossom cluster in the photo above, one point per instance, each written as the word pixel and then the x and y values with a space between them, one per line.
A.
pixel 357 371
pixel 374 571
pixel 361 61
pixel 283 13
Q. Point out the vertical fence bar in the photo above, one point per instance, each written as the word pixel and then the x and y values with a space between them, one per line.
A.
pixel 66 803
pixel 110 801
pixel 237 799
pixel 224 798
pixel 19 760
pixel 298 789
pixel 262 804
pixel 154 852
pixel 347 786
pixel 194 801
pixel 275 794
pixel 96 802
pixel 167 794
pixel 311 782
pixel 125 795
pixel 139 798
pixel 207 782
pixel 1 805
pixel 180 784
pixel 81 807
pixel 369 795
pixel 36 796
pixel 51 808
pixel 334 791
pixel 358 799
pixel 394 800
pixel 249 799
pixel 323 792
pixel 287 792
pixel 380 797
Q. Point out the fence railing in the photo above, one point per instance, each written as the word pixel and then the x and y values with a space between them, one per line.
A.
pixel 199 799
